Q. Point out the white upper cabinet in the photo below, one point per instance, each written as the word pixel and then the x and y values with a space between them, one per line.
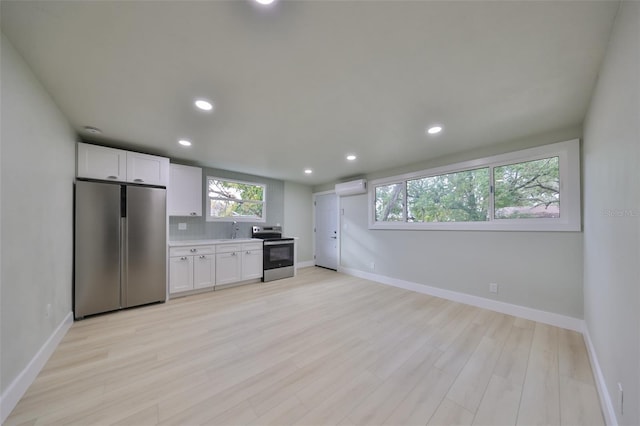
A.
pixel 99 162
pixel 184 195
pixel 147 169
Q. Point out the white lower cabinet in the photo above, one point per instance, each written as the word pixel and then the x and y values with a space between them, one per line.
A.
pixel 191 268
pixel 251 264
pixel 180 274
pixel 202 267
pixel 238 262
pixel 228 268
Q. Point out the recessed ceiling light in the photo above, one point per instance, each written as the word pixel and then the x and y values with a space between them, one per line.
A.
pixel 92 130
pixel 351 157
pixel 265 2
pixel 203 104
pixel 184 142
pixel 434 130
pixel 308 171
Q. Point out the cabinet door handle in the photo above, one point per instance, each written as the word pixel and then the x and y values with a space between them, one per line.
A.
pixel 192 213
pixel 183 258
pixel 193 250
pixel 202 257
pixel 138 180
pixel 112 177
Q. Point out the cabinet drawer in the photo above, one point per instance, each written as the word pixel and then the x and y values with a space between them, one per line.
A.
pixel 227 248
pixel 191 250
pixel 252 246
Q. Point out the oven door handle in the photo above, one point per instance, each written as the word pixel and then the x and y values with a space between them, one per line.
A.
pixel 277 243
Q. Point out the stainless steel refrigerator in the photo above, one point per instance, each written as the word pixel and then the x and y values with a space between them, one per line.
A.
pixel 120 247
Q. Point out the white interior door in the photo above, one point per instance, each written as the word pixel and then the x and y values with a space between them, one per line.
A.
pixel 326 213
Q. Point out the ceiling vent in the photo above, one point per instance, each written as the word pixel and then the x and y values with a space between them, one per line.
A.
pixel 351 188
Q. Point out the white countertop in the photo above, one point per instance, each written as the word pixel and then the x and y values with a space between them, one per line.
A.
pixel 213 242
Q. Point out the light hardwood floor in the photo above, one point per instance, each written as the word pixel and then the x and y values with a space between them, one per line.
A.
pixel 320 348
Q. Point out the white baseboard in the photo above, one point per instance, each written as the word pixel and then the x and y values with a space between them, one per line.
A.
pixel 545 317
pixel 305 264
pixel 20 384
pixel 605 399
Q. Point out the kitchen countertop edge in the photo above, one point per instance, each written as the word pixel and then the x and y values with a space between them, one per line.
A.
pixel 213 242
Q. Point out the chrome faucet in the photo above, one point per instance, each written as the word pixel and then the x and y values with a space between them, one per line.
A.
pixel 234 230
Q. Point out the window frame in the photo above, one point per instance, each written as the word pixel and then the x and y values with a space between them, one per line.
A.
pixel 253 219
pixel 568 154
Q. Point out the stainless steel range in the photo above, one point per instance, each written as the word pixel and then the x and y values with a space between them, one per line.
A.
pixel 278 252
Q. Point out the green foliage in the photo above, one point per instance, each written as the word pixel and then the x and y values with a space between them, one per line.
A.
pixel 235 199
pixel 454 197
pixel 528 190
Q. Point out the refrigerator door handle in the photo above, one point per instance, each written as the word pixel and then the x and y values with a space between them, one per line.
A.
pixel 124 244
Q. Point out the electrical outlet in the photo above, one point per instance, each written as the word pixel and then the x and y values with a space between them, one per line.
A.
pixel 493 288
pixel 182 226
pixel 48 310
pixel 620 399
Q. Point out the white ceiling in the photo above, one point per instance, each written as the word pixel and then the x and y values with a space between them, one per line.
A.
pixel 302 83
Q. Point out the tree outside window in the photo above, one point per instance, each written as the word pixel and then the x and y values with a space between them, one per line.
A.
pixel 235 200
pixel 390 203
pixel 453 197
pixel 528 190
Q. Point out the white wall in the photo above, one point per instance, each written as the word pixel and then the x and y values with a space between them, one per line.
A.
pixel 38 164
pixel 298 218
pixel 538 270
pixel 611 182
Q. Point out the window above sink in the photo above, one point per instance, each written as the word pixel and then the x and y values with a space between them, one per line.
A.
pixel 232 200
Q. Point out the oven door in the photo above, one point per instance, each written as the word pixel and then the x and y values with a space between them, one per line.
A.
pixel 277 254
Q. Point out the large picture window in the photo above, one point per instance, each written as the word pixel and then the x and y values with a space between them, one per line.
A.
pixel 234 200
pixel 529 190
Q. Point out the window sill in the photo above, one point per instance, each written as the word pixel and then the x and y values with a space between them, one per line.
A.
pixel 525 226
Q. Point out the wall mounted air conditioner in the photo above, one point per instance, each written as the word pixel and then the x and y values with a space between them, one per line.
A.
pixel 351 188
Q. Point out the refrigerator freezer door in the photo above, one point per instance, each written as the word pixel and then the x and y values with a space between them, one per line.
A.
pixel 144 272
pixel 97 248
